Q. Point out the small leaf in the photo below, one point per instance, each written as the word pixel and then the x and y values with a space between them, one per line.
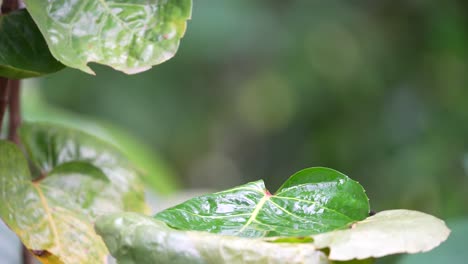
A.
pixel 78 178
pixel 312 201
pixel 388 232
pixel 23 50
pixel 138 239
pixel 130 36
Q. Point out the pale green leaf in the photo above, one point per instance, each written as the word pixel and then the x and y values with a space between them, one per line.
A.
pixel 130 36
pixel 137 239
pixel 386 233
pixel 76 178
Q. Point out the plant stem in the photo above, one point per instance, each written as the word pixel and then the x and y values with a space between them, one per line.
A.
pixel 9 5
pixel 3 99
pixel 10 94
pixel 14 111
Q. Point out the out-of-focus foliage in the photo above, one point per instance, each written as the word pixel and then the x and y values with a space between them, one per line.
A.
pixel 155 172
pixel 260 89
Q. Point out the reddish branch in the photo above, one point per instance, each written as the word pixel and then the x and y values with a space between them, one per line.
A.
pixel 3 99
pixel 9 5
pixel 15 111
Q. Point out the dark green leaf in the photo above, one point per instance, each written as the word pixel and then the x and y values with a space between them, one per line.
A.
pixel 77 178
pixel 23 50
pixel 130 36
pixel 312 201
pixel 138 239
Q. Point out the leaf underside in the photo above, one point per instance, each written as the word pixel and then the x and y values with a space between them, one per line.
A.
pixel 130 36
pixel 312 201
pixel 77 178
pixel 23 50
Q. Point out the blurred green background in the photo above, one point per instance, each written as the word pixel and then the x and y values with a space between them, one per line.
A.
pixel 261 89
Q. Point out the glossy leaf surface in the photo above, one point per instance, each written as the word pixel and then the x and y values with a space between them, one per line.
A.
pixel 388 232
pixel 312 201
pixel 130 36
pixel 23 50
pixel 77 178
pixel 133 238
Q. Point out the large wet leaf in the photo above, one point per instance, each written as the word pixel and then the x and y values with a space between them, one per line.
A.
pixel 23 50
pixel 312 201
pixel 388 232
pixel 134 238
pixel 138 239
pixel 76 178
pixel 130 36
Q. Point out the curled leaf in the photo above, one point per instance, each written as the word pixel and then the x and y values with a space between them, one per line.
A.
pixel 386 233
pixel 133 238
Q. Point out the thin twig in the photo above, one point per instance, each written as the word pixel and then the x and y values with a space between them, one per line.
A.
pixel 3 99
pixel 14 111
pixel 9 5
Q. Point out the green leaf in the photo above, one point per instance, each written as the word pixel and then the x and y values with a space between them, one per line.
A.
pixel 452 251
pixel 312 201
pixel 77 178
pixel 23 50
pixel 133 238
pixel 130 36
pixel 388 232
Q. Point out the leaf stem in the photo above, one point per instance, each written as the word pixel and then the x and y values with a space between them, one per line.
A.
pixel 15 111
pixel 3 99
pixel 9 5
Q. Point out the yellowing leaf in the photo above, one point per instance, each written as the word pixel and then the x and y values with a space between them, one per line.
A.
pixel 79 179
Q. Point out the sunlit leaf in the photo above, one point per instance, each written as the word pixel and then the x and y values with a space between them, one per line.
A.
pixel 133 238
pixel 388 232
pixel 130 36
pixel 452 251
pixel 76 178
pixel 23 50
pixel 312 201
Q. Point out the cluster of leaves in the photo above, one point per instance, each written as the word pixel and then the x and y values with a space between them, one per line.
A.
pixel 129 36
pixel 318 216
pixel 52 195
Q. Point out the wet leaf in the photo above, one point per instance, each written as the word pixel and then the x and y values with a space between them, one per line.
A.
pixel 312 201
pixel 76 178
pixel 133 238
pixel 23 50
pixel 130 36
pixel 386 233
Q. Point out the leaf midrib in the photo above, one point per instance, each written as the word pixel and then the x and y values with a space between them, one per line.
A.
pixel 255 212
pixel 47 209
